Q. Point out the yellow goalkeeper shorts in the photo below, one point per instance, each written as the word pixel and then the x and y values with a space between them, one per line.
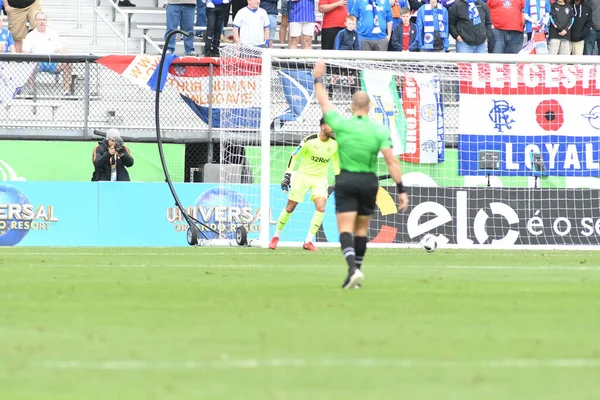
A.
pixel 303 183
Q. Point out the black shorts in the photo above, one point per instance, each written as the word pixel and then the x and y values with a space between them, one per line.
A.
pixel 356 192
pixel 328 38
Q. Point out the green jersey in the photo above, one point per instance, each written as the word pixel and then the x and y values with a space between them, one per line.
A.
pixel 359 140
pixel 315 156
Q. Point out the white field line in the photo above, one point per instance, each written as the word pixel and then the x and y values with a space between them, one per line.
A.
pixel 136 254
pixel 452 248
pixel 236 251
pixel 116 365
pixel 204 264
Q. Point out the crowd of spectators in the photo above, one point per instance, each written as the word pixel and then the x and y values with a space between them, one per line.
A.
pixel 477 26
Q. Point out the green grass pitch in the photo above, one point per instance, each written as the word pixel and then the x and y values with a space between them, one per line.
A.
pixel 244 323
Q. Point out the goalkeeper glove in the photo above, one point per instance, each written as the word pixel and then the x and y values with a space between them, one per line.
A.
pixel 286 182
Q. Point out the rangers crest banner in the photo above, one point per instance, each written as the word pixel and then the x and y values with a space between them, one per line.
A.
pixel 415 120
pixel 518 110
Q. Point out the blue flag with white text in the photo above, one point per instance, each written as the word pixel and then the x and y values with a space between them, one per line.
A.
pixel 298 88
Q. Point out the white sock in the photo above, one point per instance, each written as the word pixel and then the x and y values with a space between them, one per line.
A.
pixel 309 238
pixel 277 233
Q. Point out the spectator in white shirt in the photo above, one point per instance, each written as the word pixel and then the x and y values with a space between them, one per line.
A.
pixel 44 40
pixel 251 25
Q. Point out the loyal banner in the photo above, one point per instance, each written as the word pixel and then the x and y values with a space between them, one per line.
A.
pixel 491 216
pixel 432 175
pixel 519 109
pixel 415 121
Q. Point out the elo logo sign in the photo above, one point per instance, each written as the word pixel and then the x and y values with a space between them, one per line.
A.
pixel 500 216
pixel 443 216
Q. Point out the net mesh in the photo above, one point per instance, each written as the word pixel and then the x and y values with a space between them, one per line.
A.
pixel 492 154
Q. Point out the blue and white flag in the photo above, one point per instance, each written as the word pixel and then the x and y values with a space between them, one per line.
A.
pixel 169 58
pixel 298 88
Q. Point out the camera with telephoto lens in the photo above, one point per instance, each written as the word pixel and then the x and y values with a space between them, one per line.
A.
pixel 119 146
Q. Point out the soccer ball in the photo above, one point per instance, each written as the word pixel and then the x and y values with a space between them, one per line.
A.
pixel 429 243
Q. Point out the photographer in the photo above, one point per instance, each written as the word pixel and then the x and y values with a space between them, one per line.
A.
pixel 111 158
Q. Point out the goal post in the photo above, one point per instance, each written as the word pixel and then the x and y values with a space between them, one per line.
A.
pixel 265 150
pixel 497 151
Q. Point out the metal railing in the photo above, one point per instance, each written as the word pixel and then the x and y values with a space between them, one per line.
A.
pixel 88 96
pixel 96 14
pixel 67 97
pixel 126 13
pixel 78 26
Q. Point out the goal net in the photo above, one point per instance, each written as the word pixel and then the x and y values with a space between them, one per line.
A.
pixel 496 150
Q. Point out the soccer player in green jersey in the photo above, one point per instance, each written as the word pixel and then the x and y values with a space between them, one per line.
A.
pixel 316 152
pixel 359 141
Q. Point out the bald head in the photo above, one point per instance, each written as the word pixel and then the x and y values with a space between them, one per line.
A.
pixel 360 103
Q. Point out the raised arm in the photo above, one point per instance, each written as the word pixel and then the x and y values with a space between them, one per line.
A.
pixel 320 91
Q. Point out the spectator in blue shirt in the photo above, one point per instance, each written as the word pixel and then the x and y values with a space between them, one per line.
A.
pixel 374 23
pixel 347 39
pixel 432 27
pixel 7 43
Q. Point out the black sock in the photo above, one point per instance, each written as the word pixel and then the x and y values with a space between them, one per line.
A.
pixel 348 249
pixel 360 247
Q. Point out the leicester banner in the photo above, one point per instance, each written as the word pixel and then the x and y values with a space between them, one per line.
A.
pixel 514 111
pixel 424 119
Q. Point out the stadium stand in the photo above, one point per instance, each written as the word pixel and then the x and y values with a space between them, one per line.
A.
pixel 101 27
